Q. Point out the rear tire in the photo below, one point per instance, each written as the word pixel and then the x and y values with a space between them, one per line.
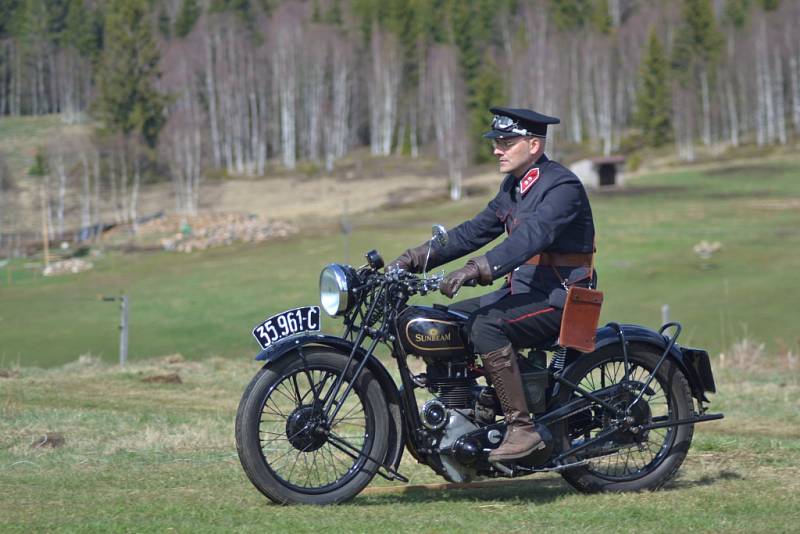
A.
pixel 291 465
pixel 640 463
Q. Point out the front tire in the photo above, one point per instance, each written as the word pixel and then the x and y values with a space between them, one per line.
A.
pixel 281 451
pixel 630 462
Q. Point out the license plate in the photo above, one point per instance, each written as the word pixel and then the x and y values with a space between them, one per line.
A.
pixel 285 324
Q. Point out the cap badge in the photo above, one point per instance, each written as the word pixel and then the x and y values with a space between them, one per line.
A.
pixel 528 180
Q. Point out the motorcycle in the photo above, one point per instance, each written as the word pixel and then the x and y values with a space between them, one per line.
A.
pixel 323 415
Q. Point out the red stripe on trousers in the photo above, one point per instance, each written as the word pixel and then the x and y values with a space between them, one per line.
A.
pixel 533 314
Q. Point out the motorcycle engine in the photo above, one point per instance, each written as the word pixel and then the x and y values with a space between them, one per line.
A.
pixel 460 407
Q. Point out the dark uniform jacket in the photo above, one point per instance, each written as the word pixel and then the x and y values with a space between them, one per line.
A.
pixel 552 215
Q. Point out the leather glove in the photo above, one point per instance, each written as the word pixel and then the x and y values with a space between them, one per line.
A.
pixel 475 269
pixel 412 260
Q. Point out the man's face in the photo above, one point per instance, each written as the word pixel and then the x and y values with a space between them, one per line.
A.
pixel 516 154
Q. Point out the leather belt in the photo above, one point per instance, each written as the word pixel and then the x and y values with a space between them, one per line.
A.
pixel 562 259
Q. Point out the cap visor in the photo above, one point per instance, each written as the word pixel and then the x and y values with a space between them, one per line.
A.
pixel 497 134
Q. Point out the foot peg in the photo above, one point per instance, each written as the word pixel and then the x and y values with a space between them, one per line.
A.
pixel 503 469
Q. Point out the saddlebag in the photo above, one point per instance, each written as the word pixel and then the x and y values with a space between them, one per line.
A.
pixel 580 318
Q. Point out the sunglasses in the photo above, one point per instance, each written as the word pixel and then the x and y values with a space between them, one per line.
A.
pixel 506 144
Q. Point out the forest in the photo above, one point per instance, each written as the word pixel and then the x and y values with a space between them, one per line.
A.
pixel 175 90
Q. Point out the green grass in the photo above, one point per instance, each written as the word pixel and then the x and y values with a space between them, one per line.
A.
pixel 205 303
pixel 142 457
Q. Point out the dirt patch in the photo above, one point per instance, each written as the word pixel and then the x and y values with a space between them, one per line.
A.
pixel 760 171
pixel 777 204
pixel 50 439
pixel 169 378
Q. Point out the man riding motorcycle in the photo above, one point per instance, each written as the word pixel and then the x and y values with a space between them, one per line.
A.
pixel 545 211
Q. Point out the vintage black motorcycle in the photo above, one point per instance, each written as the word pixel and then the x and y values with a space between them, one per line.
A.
pixel 323 415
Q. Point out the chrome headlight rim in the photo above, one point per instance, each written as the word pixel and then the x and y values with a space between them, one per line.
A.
pixel 335 283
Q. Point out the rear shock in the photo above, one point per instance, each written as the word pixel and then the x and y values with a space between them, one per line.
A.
pixel 559 359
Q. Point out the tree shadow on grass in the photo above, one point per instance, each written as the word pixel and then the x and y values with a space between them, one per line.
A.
pixel 531 490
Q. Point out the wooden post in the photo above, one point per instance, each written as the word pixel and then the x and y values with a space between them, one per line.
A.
pixel 123 334
pixel 45 233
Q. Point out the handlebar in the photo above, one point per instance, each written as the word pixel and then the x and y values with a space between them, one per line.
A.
pixel 416 284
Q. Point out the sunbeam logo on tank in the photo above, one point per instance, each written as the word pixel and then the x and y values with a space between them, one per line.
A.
pixel 433 335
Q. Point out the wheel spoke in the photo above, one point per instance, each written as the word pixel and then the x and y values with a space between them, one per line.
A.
pixel 291 448
pixel 634 456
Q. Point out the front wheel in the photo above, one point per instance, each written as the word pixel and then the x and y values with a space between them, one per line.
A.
pixel 288 449
pixel 628 460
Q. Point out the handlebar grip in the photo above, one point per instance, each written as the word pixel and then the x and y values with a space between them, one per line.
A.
pixel 471 283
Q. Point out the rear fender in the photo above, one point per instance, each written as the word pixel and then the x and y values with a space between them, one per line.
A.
pixel 694 363
pixel 289 348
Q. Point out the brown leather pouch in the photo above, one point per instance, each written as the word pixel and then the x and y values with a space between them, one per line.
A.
pixel 580 317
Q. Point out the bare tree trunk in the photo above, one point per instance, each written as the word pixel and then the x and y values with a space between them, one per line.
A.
pixel 574 94
pixel 134 202
pixel 733 114
pixel 86 197
pixel 58 165
pixel 705 99
pixel 412 131
pixel 448 106
pixel 18 84
pixel 588 85
pixel 794 81
pixel 211 90
pixel 285 72
pixel 97 216
pixel 383 91
pixel 780 108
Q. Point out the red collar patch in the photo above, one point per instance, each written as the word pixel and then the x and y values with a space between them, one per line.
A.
pixel 528 180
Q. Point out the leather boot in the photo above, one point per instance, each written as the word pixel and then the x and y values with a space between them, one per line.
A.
pixel 521 439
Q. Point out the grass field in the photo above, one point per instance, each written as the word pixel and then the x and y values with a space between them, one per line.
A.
pixel 204 304
pixel 142 457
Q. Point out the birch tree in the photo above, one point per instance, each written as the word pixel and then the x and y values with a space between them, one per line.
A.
pixel 182 139
pixel 287 42
pixel 383 88
pixel 449 114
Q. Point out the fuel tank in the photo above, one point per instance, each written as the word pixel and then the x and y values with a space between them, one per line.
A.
pixel 434 334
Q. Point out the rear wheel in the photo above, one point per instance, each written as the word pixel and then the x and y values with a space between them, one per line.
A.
pixel 629 460
pixel 288 449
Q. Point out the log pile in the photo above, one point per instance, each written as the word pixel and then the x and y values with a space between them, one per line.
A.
pixel 70 266
pixel 209 231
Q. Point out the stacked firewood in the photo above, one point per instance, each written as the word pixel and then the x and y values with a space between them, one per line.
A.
pixel 70 266
pixel 209 231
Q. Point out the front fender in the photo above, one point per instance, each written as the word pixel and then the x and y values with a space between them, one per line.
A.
pixel 290 346
pixel 694 363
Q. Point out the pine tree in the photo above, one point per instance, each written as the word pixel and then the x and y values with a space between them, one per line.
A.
pixel 653 105
pixel 127 101
pixel 699 41
pixel 83 31
pixel 187 16
pixel 39 167
pixel 571 14
pixel 735 12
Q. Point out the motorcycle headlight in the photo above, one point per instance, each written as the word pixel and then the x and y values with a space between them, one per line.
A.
pixel 335 284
